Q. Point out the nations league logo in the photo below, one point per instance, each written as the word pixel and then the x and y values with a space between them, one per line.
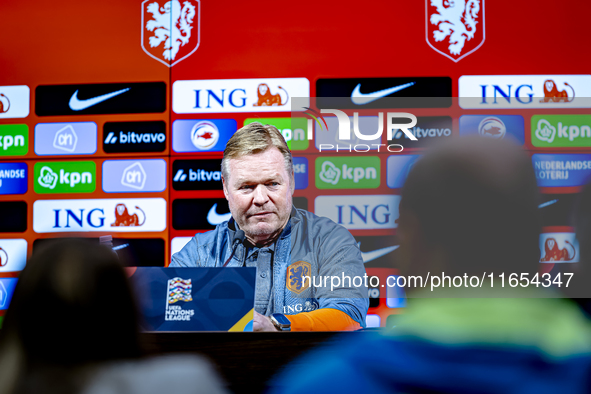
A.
pixel 170 30
pixel 455 28
pixel 178 290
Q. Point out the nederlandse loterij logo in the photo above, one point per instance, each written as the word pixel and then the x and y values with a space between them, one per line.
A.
pixel 561 170
pixel 455 28
pixel 561 131
pixel 294 130
pixel 13 178
pixel 14 139
pixel 170 29
pixel 65 177
pixel 348 172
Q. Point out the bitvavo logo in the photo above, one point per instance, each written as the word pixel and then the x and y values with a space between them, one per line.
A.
pixel 345 126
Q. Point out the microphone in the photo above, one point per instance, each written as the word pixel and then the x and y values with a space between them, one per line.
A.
pixel 239 238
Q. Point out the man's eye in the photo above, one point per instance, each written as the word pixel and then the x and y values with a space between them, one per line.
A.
pixel 273 183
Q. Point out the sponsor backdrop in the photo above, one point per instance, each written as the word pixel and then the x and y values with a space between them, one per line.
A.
pixel 121 130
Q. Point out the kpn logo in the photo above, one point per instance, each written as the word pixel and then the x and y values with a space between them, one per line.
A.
pixel 294 130
pixel 561 131
pixel 348 172
pixel 14 139
pixel 65 177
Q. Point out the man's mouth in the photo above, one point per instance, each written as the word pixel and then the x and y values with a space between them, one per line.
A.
pixel 261 214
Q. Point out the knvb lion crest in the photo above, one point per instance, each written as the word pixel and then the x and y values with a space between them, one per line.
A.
pixel 295 276
pixel 455 28
pixel 170 29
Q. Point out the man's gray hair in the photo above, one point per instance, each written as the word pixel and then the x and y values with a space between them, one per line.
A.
pixel 255 138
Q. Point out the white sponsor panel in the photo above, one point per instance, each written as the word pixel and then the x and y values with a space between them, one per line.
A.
pixel 359 212
pixel 13 255
pixel 111 215
pixel 525 91
pixel 559 248
pixel 178 243
pixel 14 101
pixel 239 95
pixel 372 321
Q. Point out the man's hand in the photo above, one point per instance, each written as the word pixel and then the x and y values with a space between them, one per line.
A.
pixel 262 323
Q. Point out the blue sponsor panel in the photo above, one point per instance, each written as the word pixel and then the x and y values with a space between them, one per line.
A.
pixel 398 169
pixel 203 135
pixel 195 299
pixel 494 126
pixel 300 169
pixel 74 138
pixel 562 170
pixel 140 176
pixel 13 178
pixel 7 286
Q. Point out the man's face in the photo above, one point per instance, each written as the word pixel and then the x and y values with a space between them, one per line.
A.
pixel 259 192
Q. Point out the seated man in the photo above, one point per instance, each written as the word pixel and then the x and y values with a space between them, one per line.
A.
pixel 285 244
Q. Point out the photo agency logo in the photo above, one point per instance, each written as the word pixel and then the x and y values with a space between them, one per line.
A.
pixel 341 130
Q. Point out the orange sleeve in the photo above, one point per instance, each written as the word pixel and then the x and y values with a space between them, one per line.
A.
pixel 325 319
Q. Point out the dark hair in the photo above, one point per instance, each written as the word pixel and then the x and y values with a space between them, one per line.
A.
pixel 72 306
pixel 476 200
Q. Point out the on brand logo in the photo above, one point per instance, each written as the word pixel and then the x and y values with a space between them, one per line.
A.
pixel 66 139
pixel 134 176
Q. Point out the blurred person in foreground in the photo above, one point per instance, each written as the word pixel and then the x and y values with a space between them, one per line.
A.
pixel 580 288
pixel 72 327
pixel 468 206
pixel 285 244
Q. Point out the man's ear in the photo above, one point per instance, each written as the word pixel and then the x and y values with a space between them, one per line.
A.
pixel 225 187
pixel 292 183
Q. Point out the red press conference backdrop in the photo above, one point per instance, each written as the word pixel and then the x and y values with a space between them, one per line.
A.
pixel 47 45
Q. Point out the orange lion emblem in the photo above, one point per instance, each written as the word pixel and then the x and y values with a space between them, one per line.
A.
pixel 554 253
pixel 123 218
pixel 266 99
pixel 551 93
pixel 4 103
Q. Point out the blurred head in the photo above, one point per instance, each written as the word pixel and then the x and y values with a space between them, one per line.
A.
pixel 257 174
pixel 470 206
pixel 73 305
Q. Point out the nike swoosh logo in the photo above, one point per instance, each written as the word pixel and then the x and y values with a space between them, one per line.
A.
pixel 545 204
pixel 374 254
pixel 359 98
pixel 215 218
pixel 78 105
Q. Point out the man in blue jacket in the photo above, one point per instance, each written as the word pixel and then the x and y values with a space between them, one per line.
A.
pixel 290 247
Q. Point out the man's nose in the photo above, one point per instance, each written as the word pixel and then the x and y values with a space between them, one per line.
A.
pixel 260 195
